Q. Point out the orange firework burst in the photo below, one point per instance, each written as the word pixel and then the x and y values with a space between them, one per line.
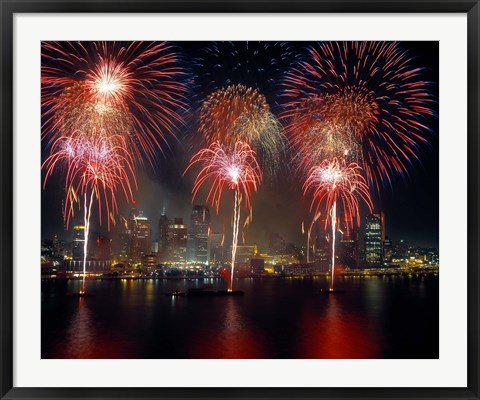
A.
pixel 132 88
pixel 233 167
pixel 239 113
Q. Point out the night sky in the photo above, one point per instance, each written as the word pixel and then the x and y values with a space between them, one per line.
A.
pixel 411 204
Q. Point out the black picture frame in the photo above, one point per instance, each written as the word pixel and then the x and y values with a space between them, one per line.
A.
pixel 9 8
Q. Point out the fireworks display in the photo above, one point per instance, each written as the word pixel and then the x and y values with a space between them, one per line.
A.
pixel 352 117
pixel 95 162
pixel 132 88
pixel 368 91
pixel 337 184
pixel 238 113
pixel 96 166
pixel 232 167
pixel 255 64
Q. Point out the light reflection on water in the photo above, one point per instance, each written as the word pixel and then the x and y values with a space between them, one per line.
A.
pixel 276 318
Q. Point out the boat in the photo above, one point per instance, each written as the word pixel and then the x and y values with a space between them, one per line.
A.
pixel 81 294
pixel 175 293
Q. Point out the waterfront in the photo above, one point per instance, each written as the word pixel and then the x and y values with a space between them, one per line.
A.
pixel 376 317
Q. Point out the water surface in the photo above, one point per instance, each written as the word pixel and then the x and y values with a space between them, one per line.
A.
pixel 394 317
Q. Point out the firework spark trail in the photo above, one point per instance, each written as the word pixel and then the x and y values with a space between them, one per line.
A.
pixel 333 183
pixel 136 89
pixel 233 167
pixel 87 208
pixel 97 165
pixel 236 222
pixel 371 91
pixel 94 162
pixel 333 217
pixel 240 113
pixel 309 234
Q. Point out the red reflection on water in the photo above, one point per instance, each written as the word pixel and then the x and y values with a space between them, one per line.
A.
pixel 82 340
pixel 233 340
pixel 331 333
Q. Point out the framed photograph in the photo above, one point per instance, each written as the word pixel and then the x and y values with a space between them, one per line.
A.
pixel 233 199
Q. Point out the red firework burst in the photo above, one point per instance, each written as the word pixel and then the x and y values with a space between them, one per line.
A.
pixel 370 92
pixel 97 165
pixel 136 89
pixel 224 166
pixel 336 182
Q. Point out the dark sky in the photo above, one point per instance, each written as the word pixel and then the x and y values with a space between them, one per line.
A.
pixel 411 205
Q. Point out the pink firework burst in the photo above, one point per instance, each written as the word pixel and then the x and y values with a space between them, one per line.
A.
pixel 232 167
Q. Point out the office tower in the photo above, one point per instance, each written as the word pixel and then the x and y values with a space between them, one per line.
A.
pixel 321 247
pixel 387 250
pixel 348 243
pixel 78 242
pixel 140 237
pixel 177 241
pixel 374 237
pixel 163 224
pixel 198 234
pixel 217 248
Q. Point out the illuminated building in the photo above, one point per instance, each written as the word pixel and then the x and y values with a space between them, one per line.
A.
pixel 244 253
pixel 257 265
pixel 374 238
pixel 400 250
pixel 78 242
pixel 387 250
pixel 163 224
pixel 198 246
pixel 217 249
pixel 140 237
pixel 93 267
pixel 322 249
pixel 127 236
pixel 47 248
pixel 177 241
pixel 348 245
pixel 149 263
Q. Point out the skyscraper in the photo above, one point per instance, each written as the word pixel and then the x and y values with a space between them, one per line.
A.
pixel 348 245
pixel 198 234
pixel 217 248
pixel 177 241
pixel 78 242
pixel 374 238
pixel 387 250
pixel 141 238
pixel 163 224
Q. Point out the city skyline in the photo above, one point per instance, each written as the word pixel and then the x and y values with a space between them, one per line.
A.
pixel 180 243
